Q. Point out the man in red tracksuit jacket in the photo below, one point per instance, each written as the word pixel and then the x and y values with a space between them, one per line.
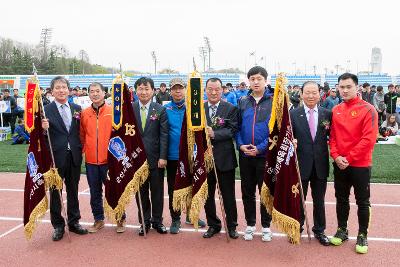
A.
pixel 353 136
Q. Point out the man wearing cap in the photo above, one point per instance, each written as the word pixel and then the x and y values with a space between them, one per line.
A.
pixel 175 112
pixel 332 100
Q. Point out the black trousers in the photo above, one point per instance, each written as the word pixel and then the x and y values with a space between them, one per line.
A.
pixel 71 175
pixel 171 172
pixel 359 178
pixel 318 190
pixel 9 120
pixel 226 182
pixel 252 174
pixel 152 211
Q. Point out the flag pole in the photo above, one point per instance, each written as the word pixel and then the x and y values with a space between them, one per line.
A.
pixel 141 213
pixel 303 202
pixel 221 202
pixel 138 192
pixel 52 155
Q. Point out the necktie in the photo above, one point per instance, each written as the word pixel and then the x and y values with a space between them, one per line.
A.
pixel 143 116
pixel 65 117
pixel 311 123
pixel 213 111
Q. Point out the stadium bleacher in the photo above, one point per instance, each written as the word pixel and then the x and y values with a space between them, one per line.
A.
pixel 106 79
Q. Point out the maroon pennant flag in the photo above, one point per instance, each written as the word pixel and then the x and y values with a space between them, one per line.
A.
pixel 39 172
pixel 280 192
pixel 127 163
pixel 195 155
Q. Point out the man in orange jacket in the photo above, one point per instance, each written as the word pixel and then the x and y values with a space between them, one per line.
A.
pixel 353 136
pixel 95 131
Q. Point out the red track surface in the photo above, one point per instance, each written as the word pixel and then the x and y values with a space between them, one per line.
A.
pixel 107 248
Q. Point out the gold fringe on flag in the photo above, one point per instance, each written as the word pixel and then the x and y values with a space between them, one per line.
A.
pixel 278 102
pixel 38 212
pixel 266 198
pixel 52 178
pixel 182 199
pixel 131 188
pixel 197 204
pixel 284 223
pixel 288 225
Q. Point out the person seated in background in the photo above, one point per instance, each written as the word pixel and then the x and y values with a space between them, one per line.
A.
pixel 391 125
pixel 20 135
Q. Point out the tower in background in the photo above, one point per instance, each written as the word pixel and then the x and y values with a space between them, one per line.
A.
pixel 376 60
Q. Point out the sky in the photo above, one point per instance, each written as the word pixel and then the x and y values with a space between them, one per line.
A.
pixel 285 35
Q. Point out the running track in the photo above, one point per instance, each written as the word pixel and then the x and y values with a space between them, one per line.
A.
pixel 188 248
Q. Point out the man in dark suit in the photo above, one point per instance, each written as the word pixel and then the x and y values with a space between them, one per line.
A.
pixel 222 127
pixel 63 125
pixel 152 120
pixel 311 129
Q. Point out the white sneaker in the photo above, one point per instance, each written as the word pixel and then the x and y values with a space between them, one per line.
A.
pixel 249 232
pixel 266 234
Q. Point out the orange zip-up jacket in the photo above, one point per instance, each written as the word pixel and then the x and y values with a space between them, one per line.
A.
pixel 354 132
pixel 95 133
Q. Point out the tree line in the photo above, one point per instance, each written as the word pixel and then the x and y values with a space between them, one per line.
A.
pixel 17 58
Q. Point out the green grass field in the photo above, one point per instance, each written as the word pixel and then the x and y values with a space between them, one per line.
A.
pixel 386 167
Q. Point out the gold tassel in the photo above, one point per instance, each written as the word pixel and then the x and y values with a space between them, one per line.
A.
pixel 190 142
pixel 198 202
pixel 278 102
pixel 266 198
pixel 288 225
pixel 52 178
pixel 182 199
pixel 36 214
pixel 131 188
pixel 284 223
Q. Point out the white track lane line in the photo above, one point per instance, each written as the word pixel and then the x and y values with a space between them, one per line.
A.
pixel 21 225
pixel 87 193
pixel 191 230
pixel 12 230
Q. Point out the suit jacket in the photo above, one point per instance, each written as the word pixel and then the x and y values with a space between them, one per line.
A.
pixel 223 148
pixel 155 133
pixel 61 137
pixel 311 152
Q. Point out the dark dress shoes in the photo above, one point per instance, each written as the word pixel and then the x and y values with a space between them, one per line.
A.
pixel 211 232
pixel 58 234
pixel 233 233
pixel 322 238
pixel 78 229
pixel 141 231
pixel 160 228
